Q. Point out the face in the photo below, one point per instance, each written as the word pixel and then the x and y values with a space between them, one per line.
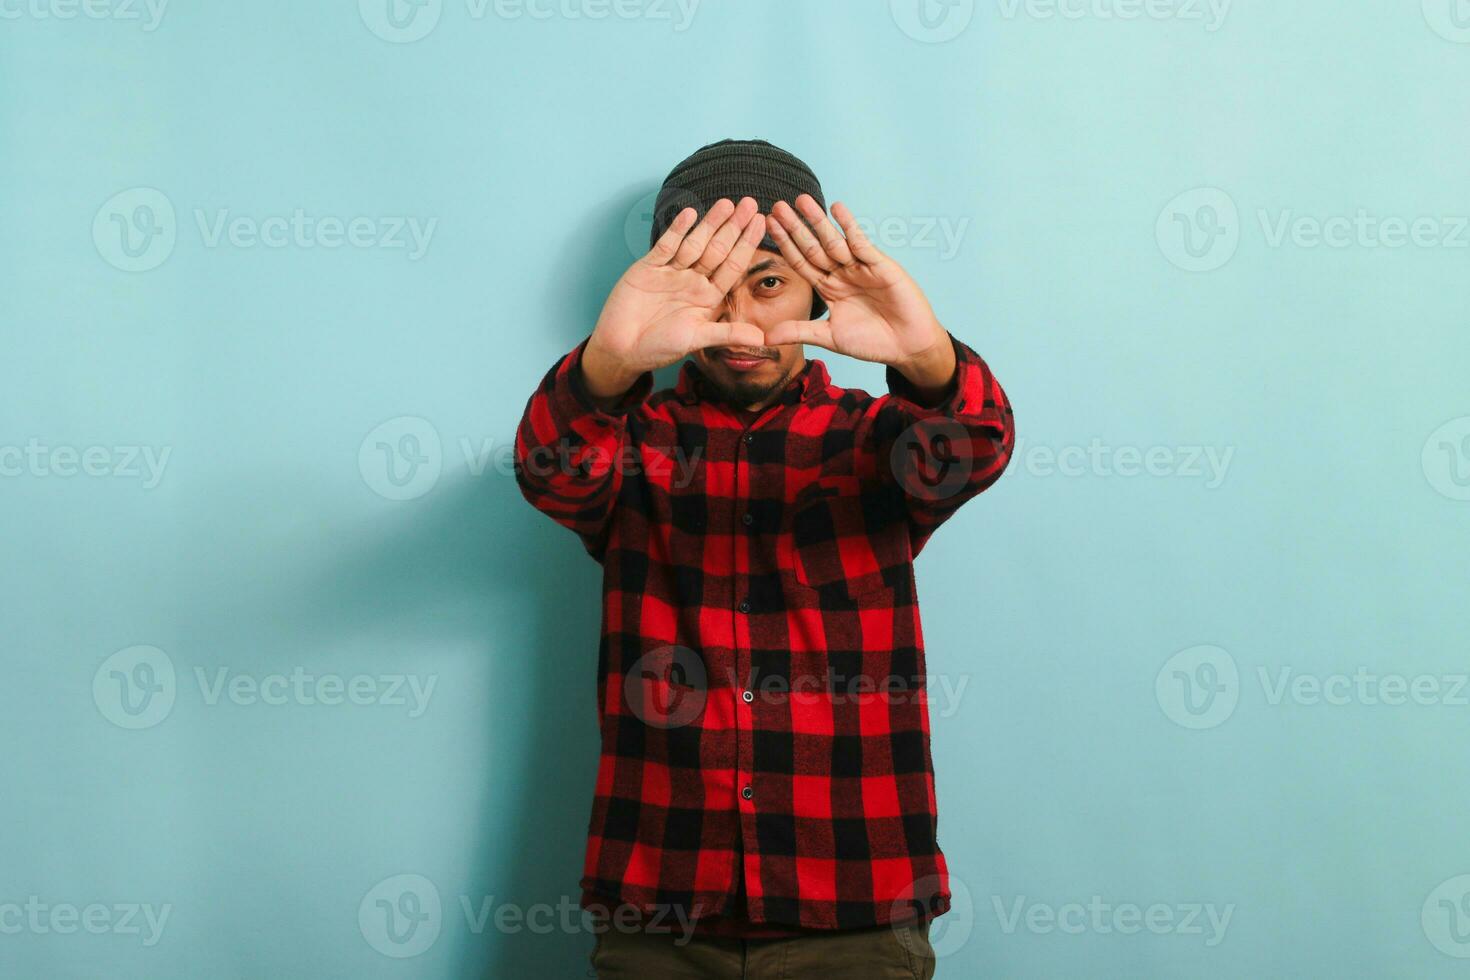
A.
pixel 771 292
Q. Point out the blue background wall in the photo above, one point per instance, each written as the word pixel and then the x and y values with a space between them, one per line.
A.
pixel 1117 211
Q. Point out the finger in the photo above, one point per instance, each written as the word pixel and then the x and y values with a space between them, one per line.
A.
pixel 826 232
pixel 732 270
pixel 806 242
pixel 730 232
pixel 817 332
pixel 732 333
pixel 668 243
pixel 693 245
pixel 793 255
pixel 865 251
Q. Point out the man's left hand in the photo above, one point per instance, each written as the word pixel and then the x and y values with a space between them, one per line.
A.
pixel 876 310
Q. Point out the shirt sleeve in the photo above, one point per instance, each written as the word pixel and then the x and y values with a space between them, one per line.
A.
pixel 937 456
pixel 568 450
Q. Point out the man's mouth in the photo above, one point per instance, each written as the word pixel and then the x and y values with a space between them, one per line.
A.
pixel 739 360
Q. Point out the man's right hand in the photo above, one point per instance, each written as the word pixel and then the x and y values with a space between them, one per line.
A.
pixel 669 302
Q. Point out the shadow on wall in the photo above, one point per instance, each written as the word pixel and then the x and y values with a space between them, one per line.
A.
pixel 473 558
pixel 560 587
pixel 537 800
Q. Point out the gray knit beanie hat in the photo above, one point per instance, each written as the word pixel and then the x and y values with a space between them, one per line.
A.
pixel 736 169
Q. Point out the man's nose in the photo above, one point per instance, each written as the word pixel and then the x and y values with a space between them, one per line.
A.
pixel 730 310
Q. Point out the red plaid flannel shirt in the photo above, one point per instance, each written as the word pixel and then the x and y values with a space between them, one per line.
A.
pixel 760 675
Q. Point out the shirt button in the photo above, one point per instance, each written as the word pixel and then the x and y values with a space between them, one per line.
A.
pixel 747 792
pixel 745 605
pixel 747 518
pixel 749 438
pixel 748 696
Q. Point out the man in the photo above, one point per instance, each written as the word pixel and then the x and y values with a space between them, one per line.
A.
pixel 765 797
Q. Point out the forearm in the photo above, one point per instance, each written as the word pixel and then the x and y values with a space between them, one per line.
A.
pixel 953 448
pixel 568 449
pixel 604 378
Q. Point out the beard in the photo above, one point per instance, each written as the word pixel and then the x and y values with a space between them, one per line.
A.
pixel 741 392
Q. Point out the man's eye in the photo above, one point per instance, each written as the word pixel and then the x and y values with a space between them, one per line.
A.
pixel 771 282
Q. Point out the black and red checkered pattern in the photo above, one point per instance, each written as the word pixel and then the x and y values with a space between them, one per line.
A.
pixel 761 669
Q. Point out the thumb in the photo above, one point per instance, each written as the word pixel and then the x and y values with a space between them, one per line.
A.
pixel 736 334
pixel 817 332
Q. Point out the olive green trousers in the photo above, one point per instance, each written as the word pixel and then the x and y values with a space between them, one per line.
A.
pixel 899 952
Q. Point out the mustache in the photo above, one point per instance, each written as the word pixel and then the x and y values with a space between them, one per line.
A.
pixel 764 352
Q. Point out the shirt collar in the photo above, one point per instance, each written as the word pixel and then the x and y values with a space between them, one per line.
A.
pixel 692 385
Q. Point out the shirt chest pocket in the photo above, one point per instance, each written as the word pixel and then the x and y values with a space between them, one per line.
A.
pixel 843 542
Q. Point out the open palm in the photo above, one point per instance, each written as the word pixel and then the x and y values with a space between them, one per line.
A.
pixel 876 311
pixel 668 303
